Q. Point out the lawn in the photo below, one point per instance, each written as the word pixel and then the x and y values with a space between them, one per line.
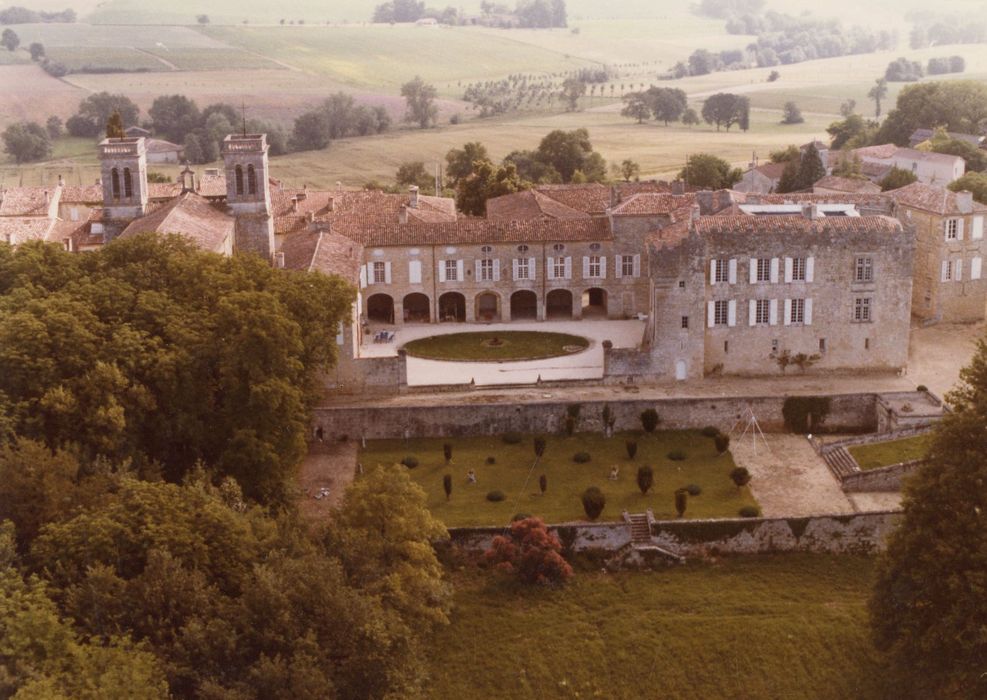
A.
pixel 513 475
pixel 489 346
pixel 882 454
pixel 771 626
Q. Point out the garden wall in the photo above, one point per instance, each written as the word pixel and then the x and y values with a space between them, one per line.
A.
pixel 849 413
pixel 887 478
pixel 860 533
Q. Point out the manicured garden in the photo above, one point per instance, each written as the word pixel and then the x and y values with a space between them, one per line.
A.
pixel 506 484
pixel 771 626
pixel 496 346
pixel 883 454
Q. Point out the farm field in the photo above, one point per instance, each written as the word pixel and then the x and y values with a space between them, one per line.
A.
pixel 566 479
pixel 778 626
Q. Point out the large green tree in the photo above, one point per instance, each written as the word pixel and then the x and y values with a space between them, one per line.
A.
pixel 972 182
pixel 957 105
pixel 95 111
pixel 26 141
pixel 571 151
pixel 928 609
pixel 459 161
pixel 420 99
pixel 710 172
pixel 725 109
pixel 486 182
pixel 174 117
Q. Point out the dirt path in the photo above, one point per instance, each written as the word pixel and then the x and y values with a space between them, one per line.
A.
pixel 788 478
pixel 327 469
pixel 164 61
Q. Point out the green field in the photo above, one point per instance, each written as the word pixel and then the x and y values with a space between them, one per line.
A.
pixel 104 59
pixel 780 626
pixel 513 475
pixel 883 454
pixel 490 346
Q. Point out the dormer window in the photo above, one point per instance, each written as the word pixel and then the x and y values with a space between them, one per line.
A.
pixel 486 249
pixel 594 247
pixel 522 249
pixel 558 247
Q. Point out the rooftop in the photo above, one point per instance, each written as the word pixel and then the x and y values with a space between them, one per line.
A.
pixel 933 199
pixel 191 216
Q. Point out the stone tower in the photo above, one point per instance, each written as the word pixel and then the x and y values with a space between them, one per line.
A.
pixel 123 174
pixel 248 192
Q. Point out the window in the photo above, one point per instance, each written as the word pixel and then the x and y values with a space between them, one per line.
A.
pixel 774 346
pixel 798 269
pixel 558 247
pixel 861 309
pixel 763 270
pixel 797 314
pixel 952 229
pixel 379 273
pixel 486 249
pixel 594 266
pixel 128 184
pixel 115 183
pixel 627 266
pixel 681 284
pixel 762 312
pixel 238 178
pixel 522 249
pixel 863 270
pixel 720 313
pixel 726 347
pixel 822 345
pixel 486 269
pixel 594 247
pixel 451 271
pixel 947 270
pixel 685 321
pixel 721 270
pixel 866 343
pixel 558 268
pixel 251 180
pixel 522 268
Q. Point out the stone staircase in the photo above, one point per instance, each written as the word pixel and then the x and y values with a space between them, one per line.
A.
pixel 840 462
pixel 640 529
pixel 641 540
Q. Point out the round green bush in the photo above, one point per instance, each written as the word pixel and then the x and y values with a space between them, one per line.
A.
pixel 491 460
pixel 410 461
pixel 496 496
pixel 512 438
pixel 710 432
pixel 676 455
pixel 581 457
pixel 921 387
pixel 750 512
pixel 694 489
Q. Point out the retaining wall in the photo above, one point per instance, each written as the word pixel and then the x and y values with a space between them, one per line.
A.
pixel 859 533
pixel 888 478
pixel 849 413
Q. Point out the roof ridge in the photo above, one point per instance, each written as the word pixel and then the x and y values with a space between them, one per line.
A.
pixel 315 251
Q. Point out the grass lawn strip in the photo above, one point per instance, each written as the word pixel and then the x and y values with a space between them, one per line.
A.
pixel 567 480
pixel 883 454
pixel 478 347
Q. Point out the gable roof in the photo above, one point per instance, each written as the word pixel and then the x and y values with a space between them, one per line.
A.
pixel 529 204
pixel 191 216
pixel 852 185
pixel 742 224
pixel 933 199
pixel 652 203
pixel 26 201
pixel 325 252
pixel 475 231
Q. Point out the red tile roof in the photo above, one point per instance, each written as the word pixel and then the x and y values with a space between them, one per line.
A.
pixel 529 204
pixel 25 201
pixel 472 231
pixel 19 230
pixel 328 253
pixel 743 224
pixel 850 185
pixel 930 198
pixel 650 203
pixel 191 216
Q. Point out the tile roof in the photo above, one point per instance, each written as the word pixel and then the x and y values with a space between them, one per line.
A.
pixel 529 204
pixel 81 194
pixel 25 201
pixel 349 210
pixel 928 156
pixel 772 171
pixel 472 231
pixel 743 224
pixel 850 185
pixel 930 198
pixel 161 146
pixel 884 151
pixel 675 232
pixel 17 230
pixel 328 253
pixel 647 203
pixel 591 198
pixel 191 216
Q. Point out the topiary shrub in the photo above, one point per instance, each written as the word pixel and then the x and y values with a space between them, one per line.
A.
pixel 681 501
pixel 581 457
pixel 676 455
pixel 710 432
pixel 649 420
pixel 410 461
pixel 694 489
pixel 922 387
pixel 543 484
pixel 722 443
pixel 631 446
pixel 539 445
pixel 495 496
pixel 512 438
pixel 645 478
pixel 447 452
pixel 447 485
pixel 593 502
pixel 491 460
pixel 749 512
pixel 740 476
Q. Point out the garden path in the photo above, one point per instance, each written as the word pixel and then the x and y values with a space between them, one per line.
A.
pixel 327 469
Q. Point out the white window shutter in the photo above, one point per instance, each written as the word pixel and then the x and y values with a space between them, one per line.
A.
pixel 732 312
pixel 978 228
pixel 774 270
pixel 637 265
pixel 531 269
pixel 773 312
pixel 459 271
pixel 478 270
pixel 975 265
pixel 603 267
pixel 363 276
pixel 568 268
pixel 585 267
pixel 387 273
pixel 752 272
pixel 945 271
pixel 959 229
pixel 712 271
pixel 496 270
pixel 710 313
pixel 787 320
pixel 551 268
pixel 807 317
pixel 732 271
pixel 415 271
pixel 618 261
pixel 752 315
pixel 958 270
pixel 516 267
pixel 442 270
pixel 810 268
pixel 788 269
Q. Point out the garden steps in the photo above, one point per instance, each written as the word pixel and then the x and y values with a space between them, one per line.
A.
pixel 840 462
pixel 641 539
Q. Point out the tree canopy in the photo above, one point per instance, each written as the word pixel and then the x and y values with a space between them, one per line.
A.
pixel 726 109
pixel 27 141
pixel 972 182
pixel 420 98
pixel 710 172
pixel 957 105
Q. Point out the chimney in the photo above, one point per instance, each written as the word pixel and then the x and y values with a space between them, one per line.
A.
pixel 294 205
pixel 61 182
pixel 705 201
pixel 403 215
pixel 413 201
pixel 47 198
pixel 331 206
pixel 695 212
pixel 339 186
pixel 614 196
pixel 69 245
pixel 678 187
pixel 279 260
pixel 310 216
pixel 964 201
pixel 811 211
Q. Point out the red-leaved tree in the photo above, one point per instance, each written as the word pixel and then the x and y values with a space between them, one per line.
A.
pixel 531 553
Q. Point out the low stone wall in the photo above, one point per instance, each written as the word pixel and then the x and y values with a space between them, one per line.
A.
pixel 848 413
pixel 824 447
pixel 628 362
pixel 888 478
pixel 860 533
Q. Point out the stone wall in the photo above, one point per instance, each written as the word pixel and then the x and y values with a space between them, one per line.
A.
pixel 848 413
pixel 860 533
pixel 888 478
